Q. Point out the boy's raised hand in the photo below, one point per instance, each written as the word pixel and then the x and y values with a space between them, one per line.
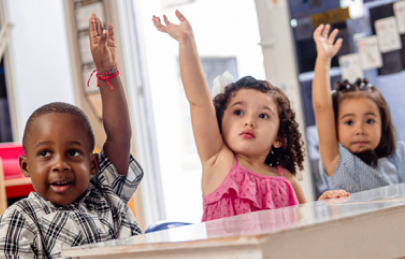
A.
pixel 180 32
pixel 324 44
pixel 102 44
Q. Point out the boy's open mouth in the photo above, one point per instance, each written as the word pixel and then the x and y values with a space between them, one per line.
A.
pixel 61 186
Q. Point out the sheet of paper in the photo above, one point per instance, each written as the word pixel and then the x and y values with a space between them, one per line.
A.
pixel 350 67
pixel 83 13
pixel 399 11
pixel 387 33
pixel 370 55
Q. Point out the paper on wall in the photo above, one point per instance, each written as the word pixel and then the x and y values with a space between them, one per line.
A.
pixel 387 33
pixel 350 67
pixel 399 11
pixel 370 56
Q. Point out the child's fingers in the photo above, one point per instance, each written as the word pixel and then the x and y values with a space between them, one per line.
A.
pixel 318 31
pixel 326 195
pixel 91 29
pixel 180 16
pixel 110 32
pixel 332 36
pixel 338 44
pixel 330 194
pixel 158 24
pixel 166 20
pixel 104 38
pixel 99 28
pixel 96 25
pixel 156 19
pixel 341 193
pixel 325 31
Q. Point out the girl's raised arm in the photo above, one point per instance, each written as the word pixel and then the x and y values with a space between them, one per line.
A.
pixel 322 98
pixel 206 132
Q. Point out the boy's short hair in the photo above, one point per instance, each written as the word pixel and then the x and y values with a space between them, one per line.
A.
pixel 57 107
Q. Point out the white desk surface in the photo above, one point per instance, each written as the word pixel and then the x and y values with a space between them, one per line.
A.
pixel 369 224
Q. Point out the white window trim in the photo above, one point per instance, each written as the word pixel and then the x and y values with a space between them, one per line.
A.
pixel 151 200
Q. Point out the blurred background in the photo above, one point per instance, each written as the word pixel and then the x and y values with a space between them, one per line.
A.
pixel 46 58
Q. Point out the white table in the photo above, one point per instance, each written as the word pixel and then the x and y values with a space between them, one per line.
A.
pixel 370 224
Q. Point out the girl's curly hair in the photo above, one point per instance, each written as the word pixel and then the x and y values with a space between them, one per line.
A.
pixel 291 153
pixel 362 88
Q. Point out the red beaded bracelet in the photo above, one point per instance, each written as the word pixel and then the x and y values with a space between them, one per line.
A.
pixel 105 76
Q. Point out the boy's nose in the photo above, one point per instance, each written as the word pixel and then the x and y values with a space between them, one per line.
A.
pixel 60 164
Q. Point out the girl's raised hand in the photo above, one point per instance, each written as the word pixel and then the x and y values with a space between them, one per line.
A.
pixel 180 32
pixel 324 44
pixel 102 44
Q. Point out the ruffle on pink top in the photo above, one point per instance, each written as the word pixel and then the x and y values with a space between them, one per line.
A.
pixel 244 191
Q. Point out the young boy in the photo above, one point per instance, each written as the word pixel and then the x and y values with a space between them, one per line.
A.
pixel 80 197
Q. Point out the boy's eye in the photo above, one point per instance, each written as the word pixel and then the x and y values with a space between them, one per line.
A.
pixel 349 122
pixel 238 112
pixel 73 153
pixel 370 121
pixel 44 153
pixel 263 116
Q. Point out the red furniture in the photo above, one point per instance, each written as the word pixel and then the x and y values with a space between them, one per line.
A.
pixel 16 184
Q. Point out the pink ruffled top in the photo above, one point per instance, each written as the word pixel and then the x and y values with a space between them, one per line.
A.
pixel 244 191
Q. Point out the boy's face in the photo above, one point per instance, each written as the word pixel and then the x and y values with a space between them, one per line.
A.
pixel 59 158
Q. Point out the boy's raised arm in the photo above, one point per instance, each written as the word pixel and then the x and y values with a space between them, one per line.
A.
pixel 115 108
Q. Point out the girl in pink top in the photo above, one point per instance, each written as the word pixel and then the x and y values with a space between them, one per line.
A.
pixel 248 139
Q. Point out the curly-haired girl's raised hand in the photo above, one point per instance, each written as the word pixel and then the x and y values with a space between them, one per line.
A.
pixel 324 43
pixel 179 32
pixel 206 132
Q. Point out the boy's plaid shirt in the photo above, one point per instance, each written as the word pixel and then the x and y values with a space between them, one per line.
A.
pixel 35 228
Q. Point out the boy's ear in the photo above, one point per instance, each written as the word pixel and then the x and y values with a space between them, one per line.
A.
pixel 25 169
pixel 94 164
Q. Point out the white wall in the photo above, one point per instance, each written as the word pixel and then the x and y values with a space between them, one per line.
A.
pixel 38 54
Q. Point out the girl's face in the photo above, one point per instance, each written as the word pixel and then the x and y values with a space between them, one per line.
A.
pixel 59 158
pixel 359 124
pixel 250 123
